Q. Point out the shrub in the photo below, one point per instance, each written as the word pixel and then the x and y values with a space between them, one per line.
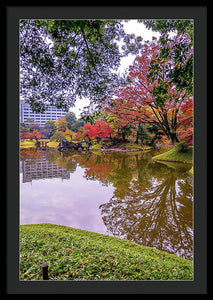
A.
pixel 96 147
pixel 182 147
pixel 57 136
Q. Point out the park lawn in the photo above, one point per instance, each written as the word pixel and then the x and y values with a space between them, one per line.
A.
pixel 52 144
pixel 129 146
pixel 27 144
pixel 176 156
pixel 137 146
pixel 74 254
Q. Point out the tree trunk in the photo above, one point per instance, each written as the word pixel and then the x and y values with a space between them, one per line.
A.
pixel 136 141
pixel 123 137
pixel 137 137
pixel 174 138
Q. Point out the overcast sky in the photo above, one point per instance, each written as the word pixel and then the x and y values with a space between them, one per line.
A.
pixel 138 29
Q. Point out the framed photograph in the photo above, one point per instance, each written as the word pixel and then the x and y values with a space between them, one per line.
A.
pixel 106 149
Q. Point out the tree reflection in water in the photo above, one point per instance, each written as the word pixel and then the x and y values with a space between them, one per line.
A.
pixel 152 203
pixel 155 210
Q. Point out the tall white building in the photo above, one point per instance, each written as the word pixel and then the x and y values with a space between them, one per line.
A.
pixel 51 113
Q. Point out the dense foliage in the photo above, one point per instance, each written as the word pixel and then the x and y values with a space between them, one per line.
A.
pixel 159 89
pixel 61 60
pixel 99 130
pixel 182 72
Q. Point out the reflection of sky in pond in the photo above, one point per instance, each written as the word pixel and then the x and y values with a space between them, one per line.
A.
pixel 72 202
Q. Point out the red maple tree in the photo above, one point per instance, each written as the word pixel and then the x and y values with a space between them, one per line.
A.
pixel 35 135
pixel 154 100
pixel 100 129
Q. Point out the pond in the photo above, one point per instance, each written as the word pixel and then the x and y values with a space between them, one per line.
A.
pixel 123 194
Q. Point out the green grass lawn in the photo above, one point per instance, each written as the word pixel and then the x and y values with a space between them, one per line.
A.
pixel 129 146
pixel 52 144
pixel 29 144
pixel 74 254
pixel 176 156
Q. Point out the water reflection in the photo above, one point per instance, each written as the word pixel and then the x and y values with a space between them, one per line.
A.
pixel 155 212
pixel 150 203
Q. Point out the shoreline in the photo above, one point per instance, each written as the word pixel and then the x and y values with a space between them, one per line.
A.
pixel 175 161
pixel 127 150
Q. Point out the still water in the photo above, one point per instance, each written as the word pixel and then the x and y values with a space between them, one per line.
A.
pixel 120 194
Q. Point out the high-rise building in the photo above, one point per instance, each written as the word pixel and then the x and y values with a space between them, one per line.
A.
pixel 51 113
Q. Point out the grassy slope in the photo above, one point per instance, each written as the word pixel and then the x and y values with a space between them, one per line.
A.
pixel 74 254
pixel 176 156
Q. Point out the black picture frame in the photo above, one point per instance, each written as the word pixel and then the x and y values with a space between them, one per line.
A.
pixel 13 13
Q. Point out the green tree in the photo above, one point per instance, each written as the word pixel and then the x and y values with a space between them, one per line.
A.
pixel 57 136
pixel 142 134
pixel 92 118
pixel 170 25
pixel 75 126
pixel 61 124
pixel 50 125
pixel 182 74
pixel 64 59
pixel 70 118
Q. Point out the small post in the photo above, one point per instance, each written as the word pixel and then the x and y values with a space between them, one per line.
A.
pixel 45 271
